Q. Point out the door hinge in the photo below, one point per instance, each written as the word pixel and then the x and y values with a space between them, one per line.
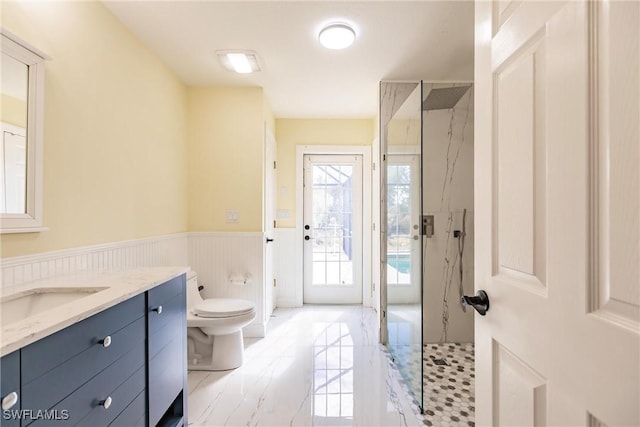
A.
pixel 373 166
pixel 274 282
pixel 274 164
pixel 274 224
pixel 384 157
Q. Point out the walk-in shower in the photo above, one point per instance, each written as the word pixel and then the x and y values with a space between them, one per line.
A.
pixel 427 245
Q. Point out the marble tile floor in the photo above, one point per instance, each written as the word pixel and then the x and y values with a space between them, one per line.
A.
pixel 317 366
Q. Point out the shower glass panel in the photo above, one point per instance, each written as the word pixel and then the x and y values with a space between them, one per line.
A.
pixel 401 245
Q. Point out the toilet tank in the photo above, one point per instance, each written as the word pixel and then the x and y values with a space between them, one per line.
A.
pixel 193 295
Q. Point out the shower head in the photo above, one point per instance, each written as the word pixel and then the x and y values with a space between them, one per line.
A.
pixel 444 98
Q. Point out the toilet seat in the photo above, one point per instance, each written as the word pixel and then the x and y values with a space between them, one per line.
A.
pixel 223 307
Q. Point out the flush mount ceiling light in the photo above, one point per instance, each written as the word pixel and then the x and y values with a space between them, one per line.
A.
pixel 240 61
pixel 337 36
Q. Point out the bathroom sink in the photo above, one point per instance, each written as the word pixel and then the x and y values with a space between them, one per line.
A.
pixel 19 306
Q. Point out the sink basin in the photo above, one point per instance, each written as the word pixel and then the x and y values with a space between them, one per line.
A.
pixel 19 306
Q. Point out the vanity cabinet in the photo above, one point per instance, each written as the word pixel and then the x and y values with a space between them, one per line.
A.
pixel 167 328
pixel 124 366
pixel 10 388
pixel 83 368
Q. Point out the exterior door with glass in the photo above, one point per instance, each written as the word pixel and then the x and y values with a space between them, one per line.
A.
pixel 403 229
pixel 332 229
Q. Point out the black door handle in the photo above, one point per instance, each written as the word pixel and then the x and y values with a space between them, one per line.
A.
pixel 480 302
pixel 307 237
pixel 269 240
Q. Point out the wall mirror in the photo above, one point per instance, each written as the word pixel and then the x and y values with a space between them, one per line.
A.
pixel 21 122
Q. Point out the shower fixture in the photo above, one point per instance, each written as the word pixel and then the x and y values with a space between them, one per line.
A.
pixel 444 98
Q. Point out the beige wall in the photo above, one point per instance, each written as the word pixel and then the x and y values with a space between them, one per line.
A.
pixel 13 111
pixel 293 132
pixel 226 151
pixel 115 153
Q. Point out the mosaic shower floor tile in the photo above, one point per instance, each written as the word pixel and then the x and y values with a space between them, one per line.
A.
pixel 449 382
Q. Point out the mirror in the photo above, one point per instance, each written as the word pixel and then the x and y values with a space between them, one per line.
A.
pixel 21 122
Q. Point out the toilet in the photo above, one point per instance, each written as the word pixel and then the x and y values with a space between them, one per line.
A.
pixel 214 329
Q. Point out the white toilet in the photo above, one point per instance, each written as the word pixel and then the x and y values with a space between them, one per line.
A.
pixel 214 329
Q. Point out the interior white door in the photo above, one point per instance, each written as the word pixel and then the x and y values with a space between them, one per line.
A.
pixel 269 220
pixel 332 229
pixel 557 212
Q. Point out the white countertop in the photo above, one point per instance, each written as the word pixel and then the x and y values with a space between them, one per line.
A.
pixel 121 285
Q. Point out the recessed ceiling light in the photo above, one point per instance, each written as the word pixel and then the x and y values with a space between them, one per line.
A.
pixel 337 36
pixel 240 61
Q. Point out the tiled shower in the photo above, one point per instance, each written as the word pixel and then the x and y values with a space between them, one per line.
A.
pixel 427 144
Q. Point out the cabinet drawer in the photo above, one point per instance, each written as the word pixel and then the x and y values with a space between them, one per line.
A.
pixel 121 398
pixel 60 382
pixel 10 383
pixel 86 398
pixel 165 292
pixel 47 353
pixel 133 415
pixel 167 325
pixel 166 376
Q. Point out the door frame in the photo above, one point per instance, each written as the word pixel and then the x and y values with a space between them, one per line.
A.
pixel 367 231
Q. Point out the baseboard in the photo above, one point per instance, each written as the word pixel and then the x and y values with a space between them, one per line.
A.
pixel 288 303
pixel 255 330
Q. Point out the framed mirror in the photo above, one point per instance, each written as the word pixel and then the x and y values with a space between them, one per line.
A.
pixel 21 123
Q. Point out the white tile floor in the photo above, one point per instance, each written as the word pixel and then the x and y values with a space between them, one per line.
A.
pixel 318 366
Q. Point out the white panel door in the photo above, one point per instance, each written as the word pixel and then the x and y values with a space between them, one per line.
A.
pixel 269 221
pixel 332 229
pixel 557 212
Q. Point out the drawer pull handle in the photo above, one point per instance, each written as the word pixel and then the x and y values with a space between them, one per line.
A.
pixel 158 309
pixel 10 400
pixel 106 403
pixel 106 342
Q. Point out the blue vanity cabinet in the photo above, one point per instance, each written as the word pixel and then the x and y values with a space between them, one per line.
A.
pixel 89 372
pixel 122 367
pixel 166 319
pixel 10 389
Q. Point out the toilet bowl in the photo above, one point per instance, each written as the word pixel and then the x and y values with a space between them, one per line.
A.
pixel 214 329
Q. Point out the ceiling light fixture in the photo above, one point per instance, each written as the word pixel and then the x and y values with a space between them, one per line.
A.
pixel 337 36
pixel 240 61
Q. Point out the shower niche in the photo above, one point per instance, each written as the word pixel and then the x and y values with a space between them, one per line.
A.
pixel 426 142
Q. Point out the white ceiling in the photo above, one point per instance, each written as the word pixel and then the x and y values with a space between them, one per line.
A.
pixel 396 40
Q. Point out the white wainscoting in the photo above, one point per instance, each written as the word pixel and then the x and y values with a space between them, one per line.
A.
pixel 213 256
pixel 287 293
pixel 216 257
pixel 167 250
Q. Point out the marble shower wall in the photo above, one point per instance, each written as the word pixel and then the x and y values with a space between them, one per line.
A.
pixel 447 172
